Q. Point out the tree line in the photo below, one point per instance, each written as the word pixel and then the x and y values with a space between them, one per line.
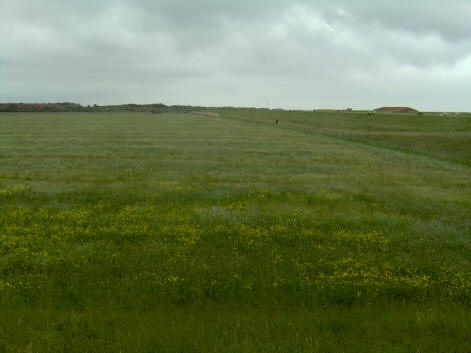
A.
pixel 155 108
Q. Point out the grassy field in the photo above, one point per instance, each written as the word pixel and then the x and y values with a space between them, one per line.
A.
pixel 139 232
pixel 446 138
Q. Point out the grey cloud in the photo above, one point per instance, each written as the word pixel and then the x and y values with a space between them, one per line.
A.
pixel 448 19
pixel 294 53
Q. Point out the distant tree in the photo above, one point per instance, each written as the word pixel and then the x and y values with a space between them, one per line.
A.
pixel 12 107
pixel 157 105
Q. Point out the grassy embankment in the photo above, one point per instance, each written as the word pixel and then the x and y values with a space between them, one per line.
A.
pixel 441 137
pixel 141 232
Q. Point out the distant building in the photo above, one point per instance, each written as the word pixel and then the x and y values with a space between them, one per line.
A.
pixel 396 110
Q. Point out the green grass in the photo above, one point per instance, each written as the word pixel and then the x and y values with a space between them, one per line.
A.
pixel 447 138
pixel 137 232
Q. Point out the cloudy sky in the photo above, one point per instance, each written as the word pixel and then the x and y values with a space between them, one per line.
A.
pixel 277 53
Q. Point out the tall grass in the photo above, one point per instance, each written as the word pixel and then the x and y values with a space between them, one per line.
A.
pixel 140 232
pixel 447 138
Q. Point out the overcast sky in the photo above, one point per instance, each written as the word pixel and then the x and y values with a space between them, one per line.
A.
pixel 292 54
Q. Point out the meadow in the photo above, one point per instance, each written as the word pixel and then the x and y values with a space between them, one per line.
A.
pixel 330 232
